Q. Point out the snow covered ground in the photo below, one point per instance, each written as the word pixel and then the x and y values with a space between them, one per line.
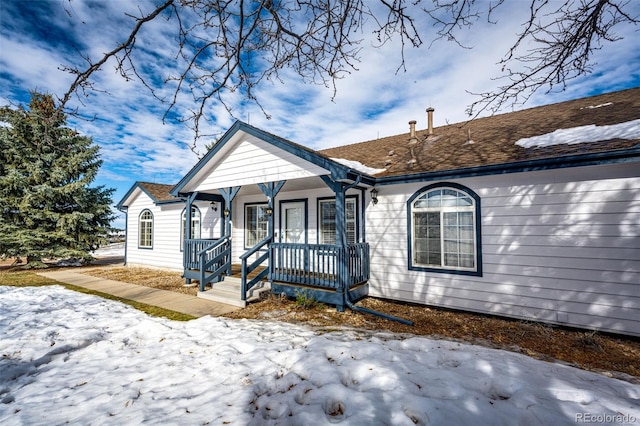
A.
pixel 73 358
pixel 110 250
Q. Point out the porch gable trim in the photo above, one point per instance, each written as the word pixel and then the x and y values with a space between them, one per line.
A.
pixel 337 170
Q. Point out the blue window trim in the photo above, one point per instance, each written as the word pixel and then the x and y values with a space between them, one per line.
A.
pixel 478 222
pixel 183 211
pixel 244 220
pixel 152 229
pixel 357 213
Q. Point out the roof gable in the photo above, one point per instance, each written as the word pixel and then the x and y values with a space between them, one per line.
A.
pixel 157 192
pixel 245 145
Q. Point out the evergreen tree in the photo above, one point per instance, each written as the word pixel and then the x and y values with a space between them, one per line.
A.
pixel 48 208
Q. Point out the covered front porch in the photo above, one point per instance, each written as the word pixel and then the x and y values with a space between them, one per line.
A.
pixel 288 217
pixel 272 246
pixel 319 271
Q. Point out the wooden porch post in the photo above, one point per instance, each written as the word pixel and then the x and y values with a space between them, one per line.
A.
pixel 229 194
pixel 340 190
pixel 187 232
pixel 270 190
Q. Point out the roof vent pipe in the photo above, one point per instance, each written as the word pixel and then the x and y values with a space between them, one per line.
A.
pixel 430 120
pixel 412 133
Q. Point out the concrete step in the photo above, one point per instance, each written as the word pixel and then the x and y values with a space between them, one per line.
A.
pixel 229 292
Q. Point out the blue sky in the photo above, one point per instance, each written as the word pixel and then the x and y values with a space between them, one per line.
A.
pixel 37 38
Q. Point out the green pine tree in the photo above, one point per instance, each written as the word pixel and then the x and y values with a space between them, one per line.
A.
pixel 48 208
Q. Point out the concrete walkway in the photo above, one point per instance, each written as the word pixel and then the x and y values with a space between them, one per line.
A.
pixel 178 302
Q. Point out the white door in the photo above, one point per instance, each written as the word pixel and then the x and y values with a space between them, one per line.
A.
pixel 293 229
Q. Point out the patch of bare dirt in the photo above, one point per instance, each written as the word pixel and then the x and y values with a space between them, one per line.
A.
pixel 585 349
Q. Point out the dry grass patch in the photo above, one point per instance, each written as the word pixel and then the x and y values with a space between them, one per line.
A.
pixel 155 278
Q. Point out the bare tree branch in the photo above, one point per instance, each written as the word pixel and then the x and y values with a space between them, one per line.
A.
pixel 564 43
pixel 82 81
pixel 225 47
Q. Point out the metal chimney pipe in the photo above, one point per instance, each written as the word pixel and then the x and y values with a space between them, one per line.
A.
pixel 430 120
pixel 412 133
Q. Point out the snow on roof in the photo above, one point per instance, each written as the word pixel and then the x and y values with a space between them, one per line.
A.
pixel 356 165
pixel 599 106
pixel 583 134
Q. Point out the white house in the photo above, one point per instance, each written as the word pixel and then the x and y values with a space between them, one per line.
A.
pixel 533 215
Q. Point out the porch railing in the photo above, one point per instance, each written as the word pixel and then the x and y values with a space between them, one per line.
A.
pixel 207 260
pixel 319 265
pixel 217 259
pixel 190 251
pixel 247 268
pixel 358 263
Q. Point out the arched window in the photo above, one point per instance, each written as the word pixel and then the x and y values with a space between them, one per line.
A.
pixel 145 229
pixel 444 229
pixel 195 225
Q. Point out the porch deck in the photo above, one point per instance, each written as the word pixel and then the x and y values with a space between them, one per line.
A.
pixel 229 290
pixel 322 271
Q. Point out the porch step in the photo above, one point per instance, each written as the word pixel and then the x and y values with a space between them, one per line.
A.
pixel 229 292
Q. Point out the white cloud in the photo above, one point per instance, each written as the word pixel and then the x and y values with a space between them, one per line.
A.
pixel 372 102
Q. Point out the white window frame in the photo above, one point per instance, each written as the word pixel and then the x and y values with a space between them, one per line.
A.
pixel 196 224
pixel 258 229
pixel 145 229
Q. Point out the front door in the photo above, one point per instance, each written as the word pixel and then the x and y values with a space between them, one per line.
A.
pixel 293 222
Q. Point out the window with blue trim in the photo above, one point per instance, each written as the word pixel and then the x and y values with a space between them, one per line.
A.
pixel 145 229
pixel 445 230
pixel 195 225
pixel 327 220
pixel 256 224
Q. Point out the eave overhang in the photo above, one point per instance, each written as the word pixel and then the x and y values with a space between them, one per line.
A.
pixel 591 159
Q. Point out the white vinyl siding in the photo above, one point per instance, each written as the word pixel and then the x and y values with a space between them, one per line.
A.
pixel 166 252
pixel 559 246
pixel 253 161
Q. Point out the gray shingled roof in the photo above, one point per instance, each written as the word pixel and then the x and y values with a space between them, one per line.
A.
pixel 494 137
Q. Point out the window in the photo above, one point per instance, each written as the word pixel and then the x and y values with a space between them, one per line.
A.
pixel 327 219
pixel 445 230
pixel 145 229
pixel 195 225
pixel 256 224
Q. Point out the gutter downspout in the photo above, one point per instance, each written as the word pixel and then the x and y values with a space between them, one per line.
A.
pixel 126 233
pixel 345 289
